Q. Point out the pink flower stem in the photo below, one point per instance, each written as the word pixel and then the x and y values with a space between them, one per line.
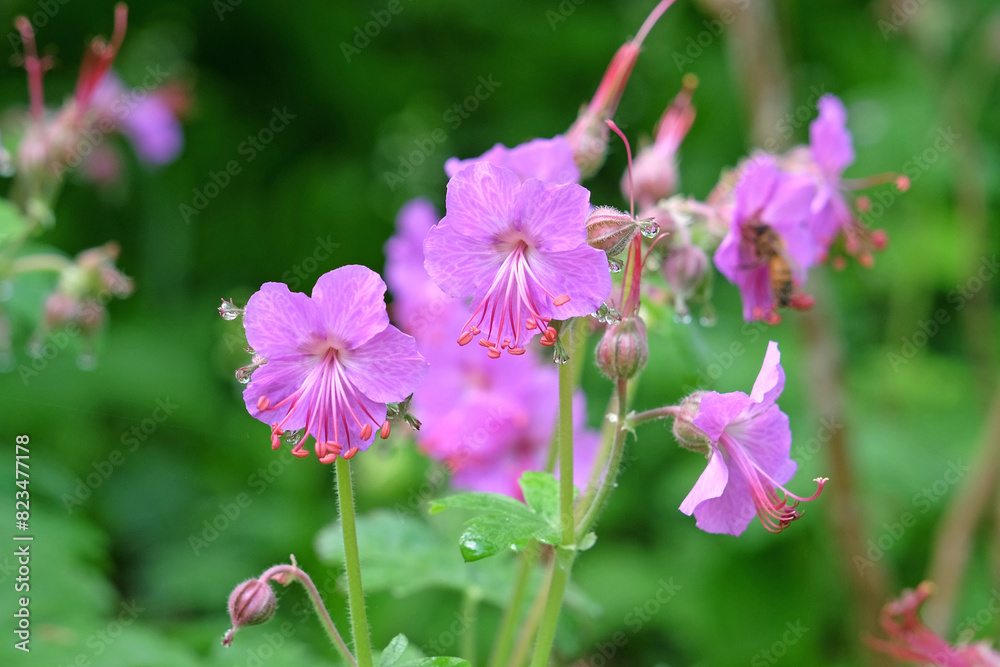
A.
pixel 666 412
pixel 355 594
pixel 286 574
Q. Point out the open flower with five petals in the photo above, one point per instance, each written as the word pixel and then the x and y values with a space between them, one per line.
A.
pixel 333 362
pixel 748 457
pixel 520 251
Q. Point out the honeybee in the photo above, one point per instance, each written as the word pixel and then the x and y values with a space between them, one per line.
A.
pixel 769 249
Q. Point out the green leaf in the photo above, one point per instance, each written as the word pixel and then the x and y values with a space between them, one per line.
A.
pixel 505 523
pixel 436 662
pixel 12 224
pixel 541 492
pixel 393 651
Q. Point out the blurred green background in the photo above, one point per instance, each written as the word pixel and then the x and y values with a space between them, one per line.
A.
pixel 132 537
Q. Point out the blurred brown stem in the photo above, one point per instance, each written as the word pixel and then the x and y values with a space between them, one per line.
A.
pixel 954 535
pixel 825 356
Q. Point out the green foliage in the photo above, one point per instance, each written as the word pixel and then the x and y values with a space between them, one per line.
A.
pixel 504 523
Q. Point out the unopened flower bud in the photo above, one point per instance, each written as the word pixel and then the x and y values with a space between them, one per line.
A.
pixel 685 270
pixel 623 350
pixel 688 435
pixel 610 230
pixel 251 603
pixel 654 177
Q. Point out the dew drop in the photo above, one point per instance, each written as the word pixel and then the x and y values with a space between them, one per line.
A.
pixel 243 374
pixel 649 229
pixel 229 311
pixel 294 437
pixel 473 549
pixel 615 265
pixel 683 318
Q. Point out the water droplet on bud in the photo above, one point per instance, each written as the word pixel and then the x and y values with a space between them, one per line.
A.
pixel 615 265
pixel 243 374
pixel 649 229
pixel 229 311
pixel 294 437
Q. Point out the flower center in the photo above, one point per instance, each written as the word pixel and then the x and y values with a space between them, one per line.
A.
pixel 769 498
pixel 329 401
pixel 511 308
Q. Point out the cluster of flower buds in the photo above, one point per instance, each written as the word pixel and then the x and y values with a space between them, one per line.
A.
pixel 84 289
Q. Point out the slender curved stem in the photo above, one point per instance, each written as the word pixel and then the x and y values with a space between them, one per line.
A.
pixel 505 635
pixel 665 412
pixel 42 262
pixel 286 574
pixel 617 452
pixel 355 594
pixel 520 652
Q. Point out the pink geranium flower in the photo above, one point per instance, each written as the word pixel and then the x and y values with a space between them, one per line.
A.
pixel 333 361
pixel 545 159
pixel 748 458
pixel 912 641
pixel 487 420
pixel 520 251
pixel 769 248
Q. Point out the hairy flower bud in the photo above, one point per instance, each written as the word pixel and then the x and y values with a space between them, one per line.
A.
pixel 251 603
pixel 685 270
pixel 610 230
pixel 623 350
pixel 688 435
pixel 654 177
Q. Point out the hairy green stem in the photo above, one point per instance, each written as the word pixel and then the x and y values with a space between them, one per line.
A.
pixel 617 451
pixel 470 610
pixel 505 636
pixel 355 595
pixel 564 556
pixel 520 653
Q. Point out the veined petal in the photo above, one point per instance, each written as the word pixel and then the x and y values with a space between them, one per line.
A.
pixel 767 441
pixel 710 485
pixel 278 379
pixel 460 264
pixel 582 274
pixel 352 302
pixel 770 381
pixel 282 323
pixel 553 217
pixel 386 368
pixel 480 201
pixel 716 411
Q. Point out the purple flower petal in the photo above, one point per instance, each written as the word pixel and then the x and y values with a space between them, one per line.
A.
pixel 582 274
pixel 387 367
pixel 545 159
pixel 281 323
pixel 352 302
pixel 755 187
pixel 480 201
pixel 710 484
pixel 831 144
pixel 767 440
pixel 771 379
pixel 553 217
pixel 729 513
pixel 277 381
pixel 716 411
pixel 459 264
